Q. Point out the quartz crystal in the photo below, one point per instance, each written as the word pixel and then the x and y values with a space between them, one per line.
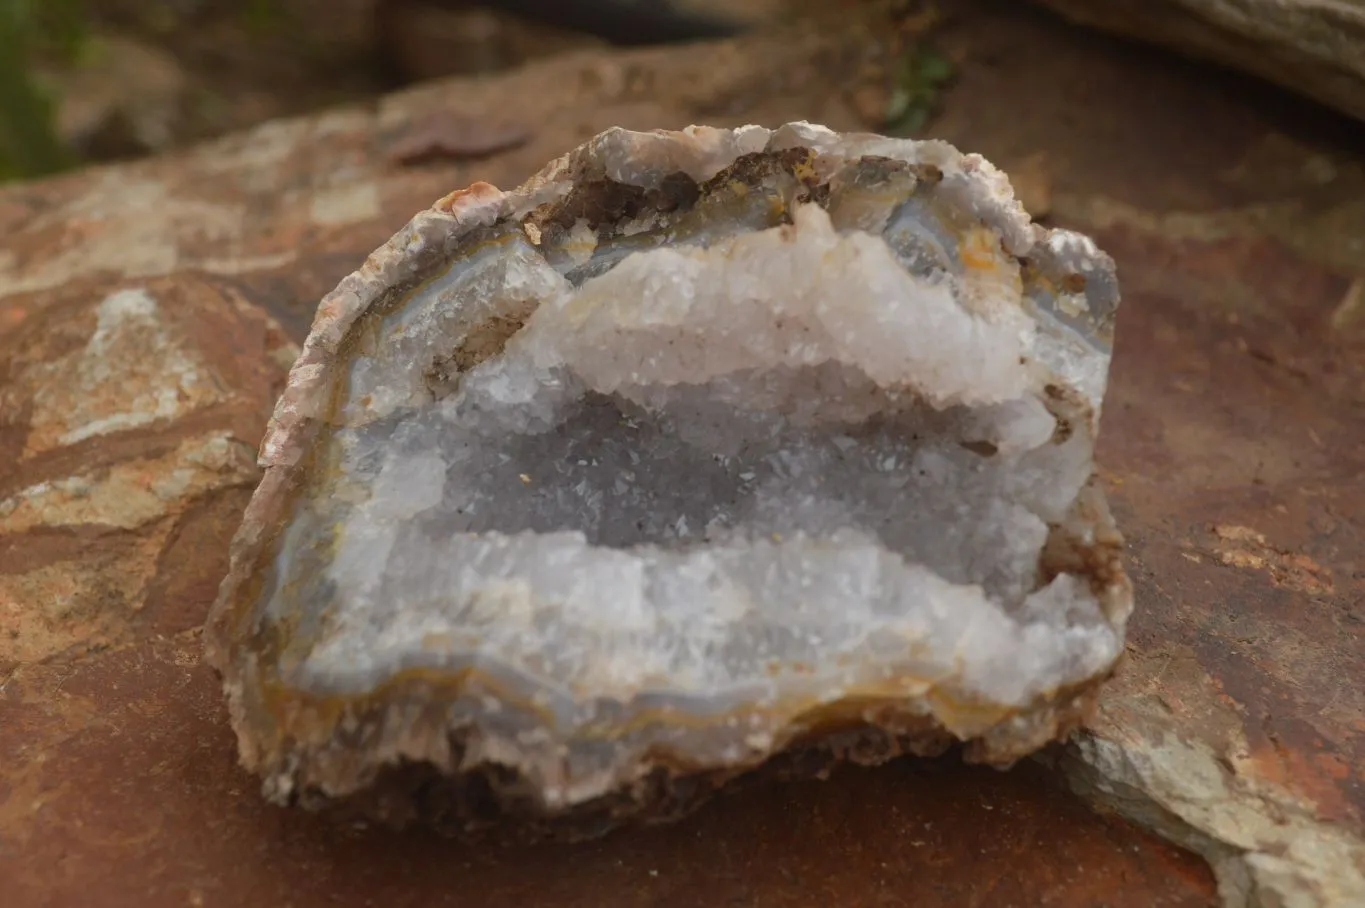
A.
pixel 700 452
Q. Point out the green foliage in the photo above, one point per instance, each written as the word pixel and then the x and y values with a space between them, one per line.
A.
pixel 59 32
pixel 262 17
pixel 29 145
pixel 921 74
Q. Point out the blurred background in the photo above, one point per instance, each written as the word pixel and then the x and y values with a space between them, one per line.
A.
pixel 98 80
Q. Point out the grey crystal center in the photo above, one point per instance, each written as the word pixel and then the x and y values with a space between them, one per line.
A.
pixel 694 474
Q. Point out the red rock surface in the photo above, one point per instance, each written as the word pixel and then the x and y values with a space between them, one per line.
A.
pixel 130 413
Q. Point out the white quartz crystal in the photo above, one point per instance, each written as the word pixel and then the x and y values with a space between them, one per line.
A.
pixel 575 490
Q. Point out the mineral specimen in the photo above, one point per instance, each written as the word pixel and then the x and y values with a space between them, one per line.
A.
pixel 700 451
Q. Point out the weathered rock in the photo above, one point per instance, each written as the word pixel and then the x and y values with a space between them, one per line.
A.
pixel 1314 47
pixel 1265 845
pixel 696 447
pixel 129 415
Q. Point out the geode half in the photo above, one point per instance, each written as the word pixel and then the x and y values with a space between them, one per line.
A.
pixel 700 451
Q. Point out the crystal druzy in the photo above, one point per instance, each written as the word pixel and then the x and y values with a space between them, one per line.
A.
pixel 701 451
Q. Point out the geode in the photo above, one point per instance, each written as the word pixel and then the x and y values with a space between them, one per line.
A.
pixel 700 452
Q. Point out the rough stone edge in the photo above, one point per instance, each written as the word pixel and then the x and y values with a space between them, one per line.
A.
pixel 1266 848
pixel 421 775
pixel 1231 38
pixel 410 255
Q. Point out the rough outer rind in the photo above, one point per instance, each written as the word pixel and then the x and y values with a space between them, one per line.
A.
pixel 365 752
